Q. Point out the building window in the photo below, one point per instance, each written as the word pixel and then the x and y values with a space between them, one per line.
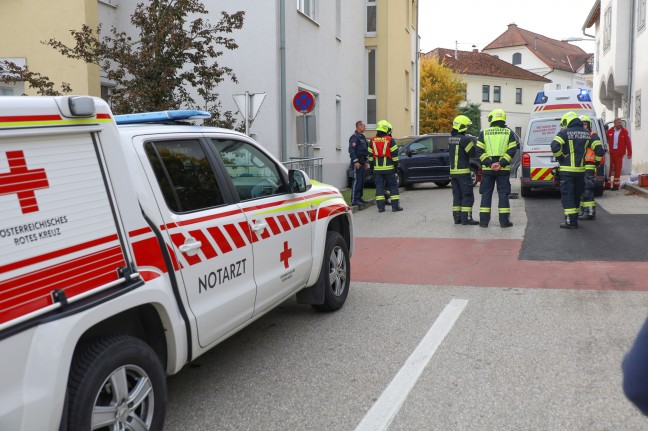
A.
pixel 308 8
pixel 371 18
pixel 485 93
pixel 6 91
pixel 371 87
pixel 637 119
pixel 517 58
pixel 607 29
pixel 641 15
pixel 518 96
pixel 558 87
pixel 338 19
pixel 407 90
pixel 497 93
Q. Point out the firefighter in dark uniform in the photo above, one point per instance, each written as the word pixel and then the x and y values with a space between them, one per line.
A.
pixel 359 153
pixel 592 162
pixel 461 148
pixel 569 148
pixel 383 156
pixel 496 147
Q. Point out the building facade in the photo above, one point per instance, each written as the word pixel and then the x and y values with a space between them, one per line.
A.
pixel 493 83
pixel 620 72
pixel 564 64
pixel 30 18
pixel 392 65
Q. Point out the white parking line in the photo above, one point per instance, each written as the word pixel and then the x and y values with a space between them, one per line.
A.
pixel 387 406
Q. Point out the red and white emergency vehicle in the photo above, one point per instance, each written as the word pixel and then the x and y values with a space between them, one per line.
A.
pixel 128 251
pixel 537 160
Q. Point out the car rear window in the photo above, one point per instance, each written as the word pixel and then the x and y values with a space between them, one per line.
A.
pixel 542 132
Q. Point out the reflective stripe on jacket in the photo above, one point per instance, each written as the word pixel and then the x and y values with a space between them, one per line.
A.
pixel 461 148
pixel 383 152
pixel 496 144
pixel 570 145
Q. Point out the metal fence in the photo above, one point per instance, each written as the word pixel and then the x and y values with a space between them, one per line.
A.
pixel 312 166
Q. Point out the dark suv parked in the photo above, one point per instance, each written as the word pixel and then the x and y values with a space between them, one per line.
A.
pixel 424 159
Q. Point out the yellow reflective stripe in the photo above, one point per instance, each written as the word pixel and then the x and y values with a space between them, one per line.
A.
pixel 564 168
pixel 466 209
pixel 469 146
pixel 56 122
pixel 484 209
pixel 303 204
pixel 588 204
pixel 504 210
pixel 456 208
pixel 460 171
pixel 571 211
pixel 483 157
pixel 506 157
pixel 559 139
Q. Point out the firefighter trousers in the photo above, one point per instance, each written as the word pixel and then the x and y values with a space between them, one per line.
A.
pixel 489 180
pixel 571 189
pixel 587 201
pixel 463 197
pixel 388 178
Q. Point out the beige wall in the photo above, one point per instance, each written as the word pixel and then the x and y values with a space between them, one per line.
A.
pixel 24 24
pixel 395 41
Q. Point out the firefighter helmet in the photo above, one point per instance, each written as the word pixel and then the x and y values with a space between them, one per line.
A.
pixel 568 118
pixel 586 119
pixel 496 115
pixel 383 126
pixel 461 123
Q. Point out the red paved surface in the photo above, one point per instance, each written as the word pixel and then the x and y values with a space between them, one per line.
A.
pixel 483 263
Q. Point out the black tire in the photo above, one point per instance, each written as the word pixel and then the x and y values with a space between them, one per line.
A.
pixel 525 191
pixel 350 182
pixel 400 181
pixel 598 191
pixel 442 183
pixel 473 177
pixel 335 274
pixel 93 395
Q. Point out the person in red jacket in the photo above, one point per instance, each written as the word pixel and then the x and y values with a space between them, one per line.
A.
pixel 619 145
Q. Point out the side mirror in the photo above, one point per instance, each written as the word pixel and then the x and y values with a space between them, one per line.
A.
pixel 410 153
pixel 298 181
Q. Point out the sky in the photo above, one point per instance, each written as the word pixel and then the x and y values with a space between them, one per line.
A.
pixel 479 22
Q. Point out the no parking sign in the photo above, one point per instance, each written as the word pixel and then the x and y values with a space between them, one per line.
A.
pixel 304 102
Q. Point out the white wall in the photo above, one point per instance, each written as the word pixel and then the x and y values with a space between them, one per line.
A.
pixel 316 60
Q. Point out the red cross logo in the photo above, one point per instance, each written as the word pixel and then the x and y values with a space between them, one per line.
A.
pixel 285 254
pixel 22 181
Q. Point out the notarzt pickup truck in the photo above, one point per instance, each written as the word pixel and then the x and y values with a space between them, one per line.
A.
pixel 130 245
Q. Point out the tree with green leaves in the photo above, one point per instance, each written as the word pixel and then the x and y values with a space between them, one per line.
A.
pixel 472 111
pixel 176 49
pixel 441 93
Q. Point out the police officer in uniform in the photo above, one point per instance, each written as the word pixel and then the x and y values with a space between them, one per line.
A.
pixel 592 162
pixel 383 156
pixel 461 148
pixel 359 153
pixel 496 147
pixel 569 148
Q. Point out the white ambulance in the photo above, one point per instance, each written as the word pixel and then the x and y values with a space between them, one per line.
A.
pixel 537 160
pixel 126 252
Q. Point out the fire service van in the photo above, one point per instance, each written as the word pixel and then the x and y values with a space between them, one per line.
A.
pixel 537 160
pixel 130 245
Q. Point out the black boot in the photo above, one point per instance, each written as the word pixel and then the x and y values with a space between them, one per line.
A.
pixel 505 222
pixel 569 223
pixel 456 215
pixel 466 219
pixel 381 206
pixel 397 208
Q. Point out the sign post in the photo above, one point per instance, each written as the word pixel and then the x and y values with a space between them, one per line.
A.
pixel 304 102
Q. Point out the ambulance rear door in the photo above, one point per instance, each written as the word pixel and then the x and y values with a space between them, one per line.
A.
pixel 537 157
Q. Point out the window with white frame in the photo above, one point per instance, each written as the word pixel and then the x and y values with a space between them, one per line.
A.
pixel 497 93
pixel 485 93
pixel 518 96
pixel 641 14
pixel 371 87
pixel 607 29
pixel 371 17
pixel 308 8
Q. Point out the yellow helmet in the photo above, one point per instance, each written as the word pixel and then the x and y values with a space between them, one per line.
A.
pixel 496 115
pixel 461 123
pixel 568 118
pixel 383 126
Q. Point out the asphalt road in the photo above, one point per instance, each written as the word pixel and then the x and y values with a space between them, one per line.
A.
pixel 533 357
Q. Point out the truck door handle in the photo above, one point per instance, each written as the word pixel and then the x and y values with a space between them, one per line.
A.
pixel 259 226
pixel 190 247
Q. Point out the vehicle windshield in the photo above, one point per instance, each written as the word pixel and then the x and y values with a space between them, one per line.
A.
pixel 542 132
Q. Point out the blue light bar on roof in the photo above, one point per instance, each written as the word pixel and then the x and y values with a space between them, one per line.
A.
pixel 160 116
pixel 540 98
pixel 584 95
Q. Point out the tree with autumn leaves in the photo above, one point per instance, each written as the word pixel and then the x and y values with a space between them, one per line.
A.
pixel 175 49
pixel 441 93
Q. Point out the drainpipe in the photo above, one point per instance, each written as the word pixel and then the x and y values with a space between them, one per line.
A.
pixel 631 57
pixel 417 65
pixel 282 60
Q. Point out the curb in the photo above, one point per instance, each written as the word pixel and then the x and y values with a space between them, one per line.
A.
pixel 641 191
